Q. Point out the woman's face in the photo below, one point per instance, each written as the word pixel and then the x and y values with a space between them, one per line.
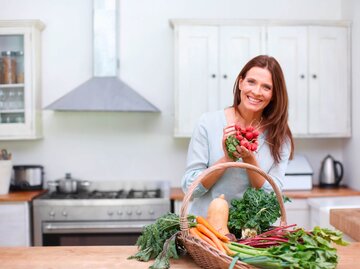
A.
pixel 256 89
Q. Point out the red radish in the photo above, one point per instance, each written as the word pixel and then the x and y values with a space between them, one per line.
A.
pixel 243 142
pixel 249 135
pixel 249 129
pixel 253 147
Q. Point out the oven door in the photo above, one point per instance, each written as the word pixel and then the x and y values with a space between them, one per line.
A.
pixel 92 233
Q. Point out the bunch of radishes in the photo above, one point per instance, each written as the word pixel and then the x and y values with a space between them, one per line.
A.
pixel 244 137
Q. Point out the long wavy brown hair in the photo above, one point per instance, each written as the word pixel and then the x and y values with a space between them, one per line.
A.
pixel 275 115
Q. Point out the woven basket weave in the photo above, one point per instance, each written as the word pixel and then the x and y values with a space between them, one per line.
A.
pixel 203 253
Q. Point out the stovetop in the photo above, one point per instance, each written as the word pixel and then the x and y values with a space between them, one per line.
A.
pixel 101 194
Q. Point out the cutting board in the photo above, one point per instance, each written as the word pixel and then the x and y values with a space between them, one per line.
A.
pixel 347 221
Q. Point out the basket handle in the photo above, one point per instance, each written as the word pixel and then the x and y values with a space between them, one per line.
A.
pixel 184 206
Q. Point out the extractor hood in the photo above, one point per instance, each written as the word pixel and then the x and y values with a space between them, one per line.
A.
pixel 104 91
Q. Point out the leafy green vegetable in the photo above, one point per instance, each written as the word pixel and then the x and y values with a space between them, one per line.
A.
pixel 154 236
pixel 257 209
pixel 305 250
pixel 231 142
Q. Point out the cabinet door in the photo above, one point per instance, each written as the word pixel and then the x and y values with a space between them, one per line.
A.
pixel 20 104
pixel 14 224
pixel 196 80
pixel 288 44
pixel 329 102
pixel 238 44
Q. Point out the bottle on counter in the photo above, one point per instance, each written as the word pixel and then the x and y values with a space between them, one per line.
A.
pixel 8 67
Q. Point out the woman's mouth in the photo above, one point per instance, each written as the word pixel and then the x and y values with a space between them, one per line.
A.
pixel 253 101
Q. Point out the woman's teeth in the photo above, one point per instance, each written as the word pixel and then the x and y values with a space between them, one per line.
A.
pixel 253 100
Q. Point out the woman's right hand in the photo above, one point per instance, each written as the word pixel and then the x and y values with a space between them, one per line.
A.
pixel 228 130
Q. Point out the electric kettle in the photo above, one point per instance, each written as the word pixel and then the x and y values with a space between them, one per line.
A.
pixel 331 172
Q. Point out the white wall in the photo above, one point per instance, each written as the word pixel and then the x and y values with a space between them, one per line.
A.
pixel 351 11
pixel 132 146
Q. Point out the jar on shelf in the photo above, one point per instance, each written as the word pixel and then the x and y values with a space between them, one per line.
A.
pixel 19 67
pixel 8 67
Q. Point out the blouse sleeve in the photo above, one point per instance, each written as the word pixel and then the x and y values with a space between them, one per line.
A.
pixel 277 171
pixel 197 158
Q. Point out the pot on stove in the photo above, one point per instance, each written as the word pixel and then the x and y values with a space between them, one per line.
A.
pixel 69 185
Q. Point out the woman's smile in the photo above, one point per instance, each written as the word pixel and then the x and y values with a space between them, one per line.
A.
pixel 254 100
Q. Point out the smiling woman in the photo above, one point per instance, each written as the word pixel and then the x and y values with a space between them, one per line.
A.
pixel 261 104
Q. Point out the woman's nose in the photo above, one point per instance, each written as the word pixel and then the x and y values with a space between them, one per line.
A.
pixel 256 90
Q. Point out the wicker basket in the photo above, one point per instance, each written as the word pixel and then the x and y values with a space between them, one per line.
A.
pixel 203 253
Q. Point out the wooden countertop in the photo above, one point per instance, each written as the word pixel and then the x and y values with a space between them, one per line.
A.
pixel 20 196
pixel 346 220
pixel 114 257
pixel 178 195
pixel 109 257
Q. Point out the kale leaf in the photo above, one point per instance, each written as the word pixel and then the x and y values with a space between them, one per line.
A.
pixel 231 143
pixel 257 209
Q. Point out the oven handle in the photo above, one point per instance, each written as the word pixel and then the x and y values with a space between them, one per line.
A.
pixel 93 227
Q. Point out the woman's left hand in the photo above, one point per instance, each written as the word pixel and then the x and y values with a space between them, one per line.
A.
pixel 245 154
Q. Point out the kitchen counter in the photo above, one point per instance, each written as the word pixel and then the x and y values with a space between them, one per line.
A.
pixel 177 194
pixel 20 196
pixel 113 257
pixel 347 221
pixel 80 257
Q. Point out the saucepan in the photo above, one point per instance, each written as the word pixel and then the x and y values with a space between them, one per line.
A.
pixel 69 185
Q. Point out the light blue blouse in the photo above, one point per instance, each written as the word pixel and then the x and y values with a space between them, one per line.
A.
pixel 205 149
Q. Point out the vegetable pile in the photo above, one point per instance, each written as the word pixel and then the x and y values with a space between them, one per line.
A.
pixel 254 213
pixel 273 248
pixel 244 137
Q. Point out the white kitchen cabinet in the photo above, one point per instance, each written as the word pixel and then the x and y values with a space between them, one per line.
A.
pixel 314 58
pixel 297 212
pixel 207 62
pixel 315 62
pixel 20 99
pixel 15 224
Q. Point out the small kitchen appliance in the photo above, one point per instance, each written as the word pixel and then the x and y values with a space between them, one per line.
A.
pixel 107 213
pixel 331 172
pixel 298 174
pixel 27 177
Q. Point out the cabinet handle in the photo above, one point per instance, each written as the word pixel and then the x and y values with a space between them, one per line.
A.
pixel 225 76
pixel 213 76
pixel 302 76
pixel 314 76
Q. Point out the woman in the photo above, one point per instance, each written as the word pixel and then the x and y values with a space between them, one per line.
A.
pixel 261 101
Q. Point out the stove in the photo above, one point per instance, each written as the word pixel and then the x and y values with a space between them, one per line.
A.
pixel 109 213
pixel 98 194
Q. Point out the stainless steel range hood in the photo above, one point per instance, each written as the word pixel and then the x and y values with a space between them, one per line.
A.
pixel 104 92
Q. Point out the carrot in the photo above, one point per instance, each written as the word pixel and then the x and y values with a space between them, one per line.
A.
pixel 211 235
pixel 201 220
pixel 197 234
pixel 228 251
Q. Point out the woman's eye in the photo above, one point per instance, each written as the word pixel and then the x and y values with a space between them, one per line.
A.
pixel 267 88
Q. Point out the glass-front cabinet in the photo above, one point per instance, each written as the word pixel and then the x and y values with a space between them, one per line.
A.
pixel 20 98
